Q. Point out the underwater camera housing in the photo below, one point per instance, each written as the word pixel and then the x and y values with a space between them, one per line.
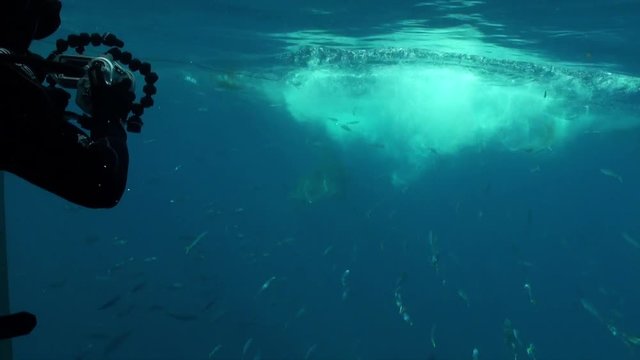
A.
pixel 113 73
pixel 114 66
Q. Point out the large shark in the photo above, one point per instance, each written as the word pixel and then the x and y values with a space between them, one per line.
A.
pixel 324 181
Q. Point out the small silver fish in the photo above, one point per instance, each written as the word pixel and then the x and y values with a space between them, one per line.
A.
pixel 246 346
pixel 611 173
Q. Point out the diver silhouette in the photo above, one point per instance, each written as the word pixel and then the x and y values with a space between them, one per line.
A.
pixel 38 144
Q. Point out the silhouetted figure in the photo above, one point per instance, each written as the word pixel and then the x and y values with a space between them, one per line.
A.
pixel 38 144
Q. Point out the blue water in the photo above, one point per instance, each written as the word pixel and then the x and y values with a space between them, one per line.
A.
pixel 326 154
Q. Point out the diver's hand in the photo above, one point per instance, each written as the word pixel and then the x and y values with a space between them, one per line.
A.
pixel 109 102
pixel 17 324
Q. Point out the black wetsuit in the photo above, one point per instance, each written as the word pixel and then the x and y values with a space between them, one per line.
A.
pixel 40 146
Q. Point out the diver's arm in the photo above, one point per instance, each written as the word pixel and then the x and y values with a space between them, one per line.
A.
pixel 89 171
pixel 40 146
pixel 44 149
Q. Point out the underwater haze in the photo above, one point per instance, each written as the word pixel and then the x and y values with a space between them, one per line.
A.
pixel 353 179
